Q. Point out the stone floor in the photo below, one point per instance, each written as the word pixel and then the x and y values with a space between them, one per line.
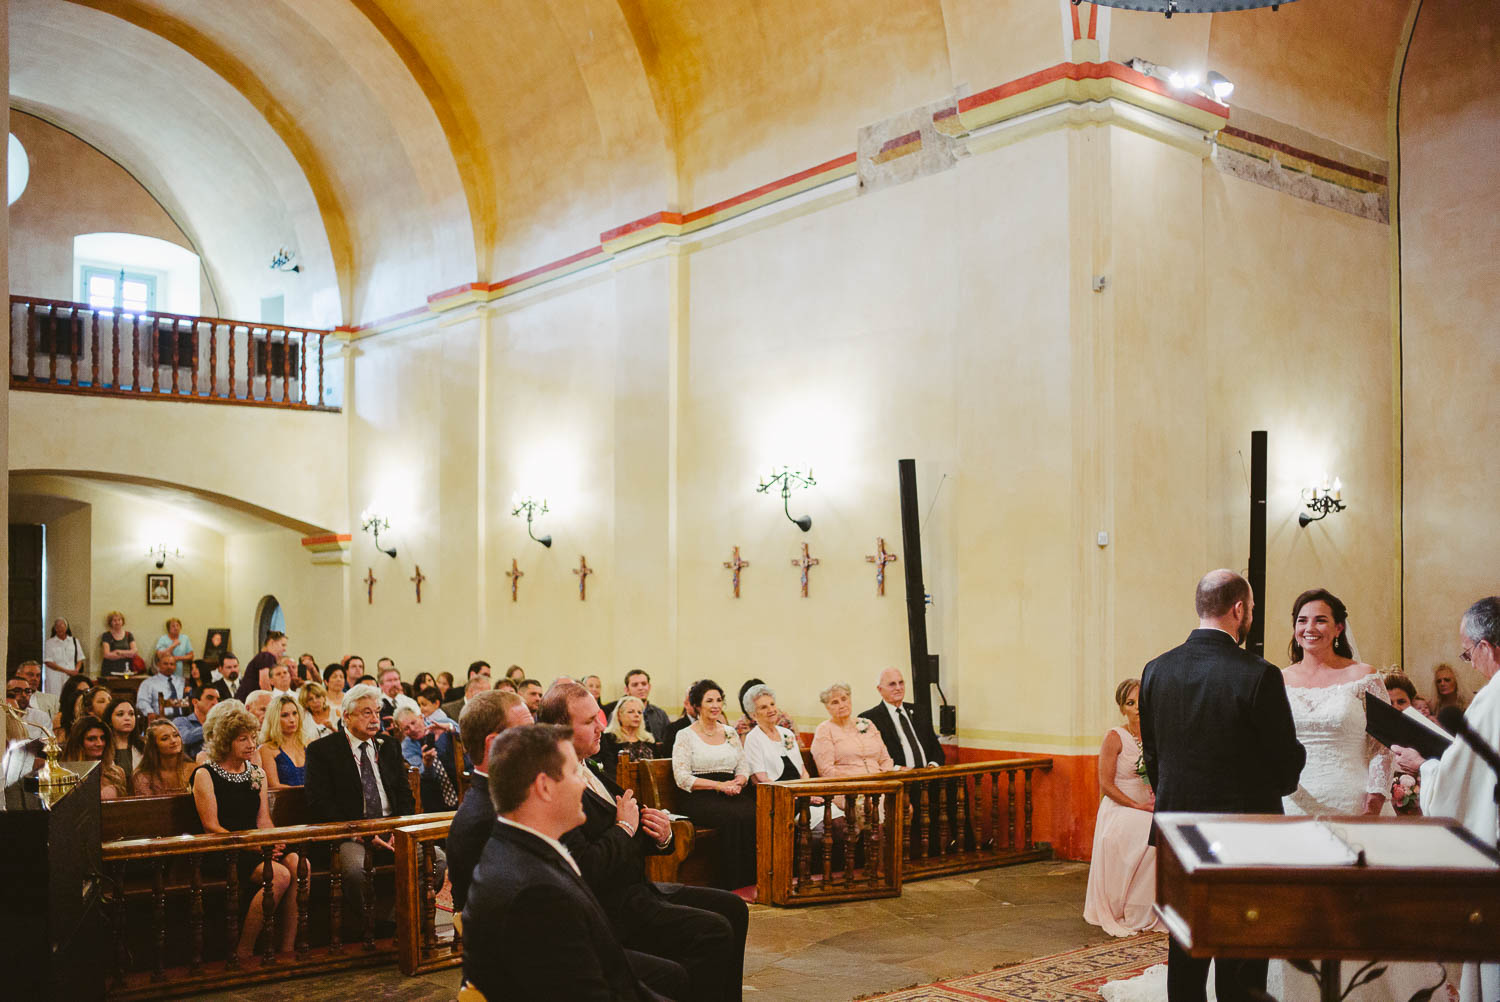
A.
pixel 936 929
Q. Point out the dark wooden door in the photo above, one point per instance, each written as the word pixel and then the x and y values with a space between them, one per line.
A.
pixel 26 626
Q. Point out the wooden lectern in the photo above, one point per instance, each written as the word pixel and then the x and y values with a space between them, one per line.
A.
pixel 1330 889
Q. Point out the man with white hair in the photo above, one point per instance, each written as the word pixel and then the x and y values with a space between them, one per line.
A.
pixel 1460 785
pixel 354 774
pixel 428 748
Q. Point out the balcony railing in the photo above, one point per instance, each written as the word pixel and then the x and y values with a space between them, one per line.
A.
pixel 75 348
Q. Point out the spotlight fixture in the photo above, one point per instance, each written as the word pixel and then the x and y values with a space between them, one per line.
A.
pixel 1170 7
pixel 1220 85
pixel 282 259
pixel 1324 500
pixel 372 522
pixel 533 509
pixel 789 478
pixel 1216 87
pixel 161 552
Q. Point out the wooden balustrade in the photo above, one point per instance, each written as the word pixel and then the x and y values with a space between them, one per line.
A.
pixel 58 346
pixel 420 946
pixel 163 949
pixel 896 826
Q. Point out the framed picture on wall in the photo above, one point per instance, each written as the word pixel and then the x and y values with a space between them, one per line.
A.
pixel 216 644
pixel 158 589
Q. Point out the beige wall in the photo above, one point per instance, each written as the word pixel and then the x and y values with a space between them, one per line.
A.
pixel 1450 297
pixel 312 596
pixel 76 189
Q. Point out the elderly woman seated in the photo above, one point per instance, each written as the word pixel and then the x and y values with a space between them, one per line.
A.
pixel 846 745
pixel 772 750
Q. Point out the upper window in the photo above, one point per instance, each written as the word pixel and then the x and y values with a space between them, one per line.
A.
pixel 132 292
pixel 134 273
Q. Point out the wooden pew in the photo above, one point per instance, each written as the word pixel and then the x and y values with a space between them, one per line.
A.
pixel 651 779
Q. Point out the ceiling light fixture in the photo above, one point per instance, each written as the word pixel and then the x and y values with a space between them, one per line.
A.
pixel 1170 7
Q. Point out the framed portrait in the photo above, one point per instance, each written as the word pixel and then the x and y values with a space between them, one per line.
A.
pixel 158 589
pixel 216 644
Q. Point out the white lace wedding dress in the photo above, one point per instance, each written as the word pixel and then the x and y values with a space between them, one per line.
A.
pixel 1343 764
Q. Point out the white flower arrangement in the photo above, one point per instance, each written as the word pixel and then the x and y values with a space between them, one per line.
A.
pixel 787 741
pixel 861 725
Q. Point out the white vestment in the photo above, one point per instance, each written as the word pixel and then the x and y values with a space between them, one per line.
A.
pixel 1459 785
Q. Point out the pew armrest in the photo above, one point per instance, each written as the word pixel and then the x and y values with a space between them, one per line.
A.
pixel 663 867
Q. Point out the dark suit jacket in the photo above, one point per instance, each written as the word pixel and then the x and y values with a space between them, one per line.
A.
pixel 920 722
pixel 613 863
pixel 468 833
pixel 454 707
pixel 524 893
pixel 1216 729
pixel 332 788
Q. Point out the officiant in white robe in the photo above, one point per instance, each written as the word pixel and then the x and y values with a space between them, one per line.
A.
pixel 1460 785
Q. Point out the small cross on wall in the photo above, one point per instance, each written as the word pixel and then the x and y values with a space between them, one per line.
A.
pixel 515 574
pixel 583 570
pixel 734 566
pixel 418 578
pixel 880 559
pixel 370 580
pixel 805 563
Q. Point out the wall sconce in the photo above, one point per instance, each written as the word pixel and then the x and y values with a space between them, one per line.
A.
pixel 372 522
pixel 1323 500
pixel 533 509
pixel 161 552
pixel 787 479
pixel 284 258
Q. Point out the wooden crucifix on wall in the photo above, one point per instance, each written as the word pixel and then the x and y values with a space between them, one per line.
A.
pixel 583 570
pixel 370 580
pixel 805 563
pixel 418 578
pixel 880 559
pixel 734 566
pixel 515 574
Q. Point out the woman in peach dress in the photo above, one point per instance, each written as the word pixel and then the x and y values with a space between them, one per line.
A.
pixel 846 745
pixel 1122 875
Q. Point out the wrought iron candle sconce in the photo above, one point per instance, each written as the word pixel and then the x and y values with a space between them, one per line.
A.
pixel 533 510
pixel 372 522
pixel 1324 500
pixel 788 479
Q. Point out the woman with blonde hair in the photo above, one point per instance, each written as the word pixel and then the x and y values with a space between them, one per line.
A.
pixel 164 769
pixel 229 791
pixel 314 700
pixel 117 646
pixel 285 734
pixel 1446 690
pixel 626 733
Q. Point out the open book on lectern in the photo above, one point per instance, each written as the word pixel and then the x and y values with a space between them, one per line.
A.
pixel 1410 729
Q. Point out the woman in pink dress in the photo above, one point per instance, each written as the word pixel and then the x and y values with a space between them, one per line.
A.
pixel 846 745
pixel 1122 875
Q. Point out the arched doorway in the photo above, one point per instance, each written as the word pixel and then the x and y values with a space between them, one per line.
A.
pixel 268 617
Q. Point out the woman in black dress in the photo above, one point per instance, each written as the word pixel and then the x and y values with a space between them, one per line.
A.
pixel 710 768
pixel 230 794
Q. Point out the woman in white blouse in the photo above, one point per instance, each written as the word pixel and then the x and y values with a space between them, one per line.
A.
pixel 710 767
pixel 63 655
pixel 772 749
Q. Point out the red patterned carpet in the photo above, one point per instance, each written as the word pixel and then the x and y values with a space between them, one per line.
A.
pixel 1074 976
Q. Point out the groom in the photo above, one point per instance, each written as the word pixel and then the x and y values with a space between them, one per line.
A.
pixel 1217 735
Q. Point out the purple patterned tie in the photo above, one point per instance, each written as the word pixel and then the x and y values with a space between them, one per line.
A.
pixel 369 782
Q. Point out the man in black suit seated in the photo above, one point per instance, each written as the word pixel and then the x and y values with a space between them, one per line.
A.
pixel 455 706
pixel 532 928
pixel 701 928
pixel 357 773
pixel 1217 735
pixel 906 729
pixel 488 715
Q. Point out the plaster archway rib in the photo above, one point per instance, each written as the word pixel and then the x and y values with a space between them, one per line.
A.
pixel 234 72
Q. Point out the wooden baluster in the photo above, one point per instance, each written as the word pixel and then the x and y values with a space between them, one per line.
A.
pixel 193 333
pixel 802 842
pixel 135 353
pixel 155 359
pixel 232 910
pixel 369 875
pixel 304 892
pixel 851 817
pixel 321 339
pixel 429 895
pixel 943 793
pixel 121 953
pixel 875 806
pixel 268 905
pixel 266 354
pixel 994 837
pixel 286 366
pixel 213 360
pixel 830 840
pixel 52 327
pixel 159 919
pixel 303 387
pixel 1027 831
pixel 75 346
pixel 195 914
pixel 924 818
pixel 94 349
pixel 114 349
pixel 33 334
pixel 961 814
pixel 335 882
pixel 1010 810
pixel 234 393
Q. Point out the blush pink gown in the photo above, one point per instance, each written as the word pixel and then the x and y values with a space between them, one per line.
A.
pixel 1122 875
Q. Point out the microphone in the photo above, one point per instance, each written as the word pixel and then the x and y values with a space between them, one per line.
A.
pixel 1453 721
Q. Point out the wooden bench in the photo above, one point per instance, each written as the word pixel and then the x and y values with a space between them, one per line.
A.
pixel 692 858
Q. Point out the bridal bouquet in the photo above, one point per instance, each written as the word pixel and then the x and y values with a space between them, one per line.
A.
pixel 1140 769
pixel 1405 792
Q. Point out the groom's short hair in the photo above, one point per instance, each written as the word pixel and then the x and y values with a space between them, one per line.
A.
pixel 1218 592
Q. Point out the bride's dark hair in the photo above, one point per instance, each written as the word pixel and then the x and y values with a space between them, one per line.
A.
pixel 1340 616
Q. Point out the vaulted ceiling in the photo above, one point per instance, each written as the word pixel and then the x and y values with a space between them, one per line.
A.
pixel 404 147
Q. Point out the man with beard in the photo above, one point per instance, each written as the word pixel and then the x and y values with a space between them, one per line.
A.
pixel 1217 736
pixel 226 677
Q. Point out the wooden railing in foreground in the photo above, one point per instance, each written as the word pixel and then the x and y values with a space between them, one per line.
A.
pixel 934 822
pixel 420 947
pixel 68 347
pixel 157 957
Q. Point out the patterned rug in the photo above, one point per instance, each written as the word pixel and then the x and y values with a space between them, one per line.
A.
pixel 1074 976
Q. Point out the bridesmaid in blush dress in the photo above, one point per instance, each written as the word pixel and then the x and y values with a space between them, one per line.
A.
pixel 1122 874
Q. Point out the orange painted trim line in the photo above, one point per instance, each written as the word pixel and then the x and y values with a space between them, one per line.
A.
pixel 331 541
pixel 1089 71
pixel 1093 18
pixel 1073 9
pixel 766 189
pixel 1313 158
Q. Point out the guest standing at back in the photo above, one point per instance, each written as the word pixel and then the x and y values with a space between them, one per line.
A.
pixel 1217 736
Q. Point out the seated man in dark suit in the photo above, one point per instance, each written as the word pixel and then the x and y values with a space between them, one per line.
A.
pixel 455 706
pixel 701 928
pixel 532 928
pixel 906 729
pixel 357 773
pixel 488 715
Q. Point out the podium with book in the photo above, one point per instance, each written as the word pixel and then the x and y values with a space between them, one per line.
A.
pixel 1327 889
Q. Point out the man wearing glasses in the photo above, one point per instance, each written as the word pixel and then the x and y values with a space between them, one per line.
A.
pixel 1460 785
pixel 18 693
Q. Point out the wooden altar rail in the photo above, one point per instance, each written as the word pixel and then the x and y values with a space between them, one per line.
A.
pixel 951 819
pixel 59 346
pixel 419 946
pixel 176 872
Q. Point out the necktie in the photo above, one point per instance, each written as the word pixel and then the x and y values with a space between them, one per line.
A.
pixel 369 782
pixel 450 793
pixel 919 758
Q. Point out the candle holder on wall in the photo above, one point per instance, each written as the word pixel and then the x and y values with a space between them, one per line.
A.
pixel 533 509
pixel 789 479
pixel 1325 500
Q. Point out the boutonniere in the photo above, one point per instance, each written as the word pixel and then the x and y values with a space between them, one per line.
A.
pixel 787 742
pixel 861 725
pixel 257 776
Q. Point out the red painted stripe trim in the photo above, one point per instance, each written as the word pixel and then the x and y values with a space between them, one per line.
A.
pixel 393 318
pixel 1093 18
pixel 333 538
pixel 645 222
pixel 457 290
pixel 766 189
pixel 583 255
pixel 906 140
pixel 938 116
pixel 1088 71
pixel 1073 9
pixel 1251 137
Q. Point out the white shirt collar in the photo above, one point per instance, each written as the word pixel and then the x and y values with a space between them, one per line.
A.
pixel 557 846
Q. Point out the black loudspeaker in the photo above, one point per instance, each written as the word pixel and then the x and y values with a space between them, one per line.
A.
pixel 1255 643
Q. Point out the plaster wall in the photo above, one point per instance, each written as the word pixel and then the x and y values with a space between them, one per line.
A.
pixel 1450 129
pixel 68 550
pixel 76 189
pixel 312 596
